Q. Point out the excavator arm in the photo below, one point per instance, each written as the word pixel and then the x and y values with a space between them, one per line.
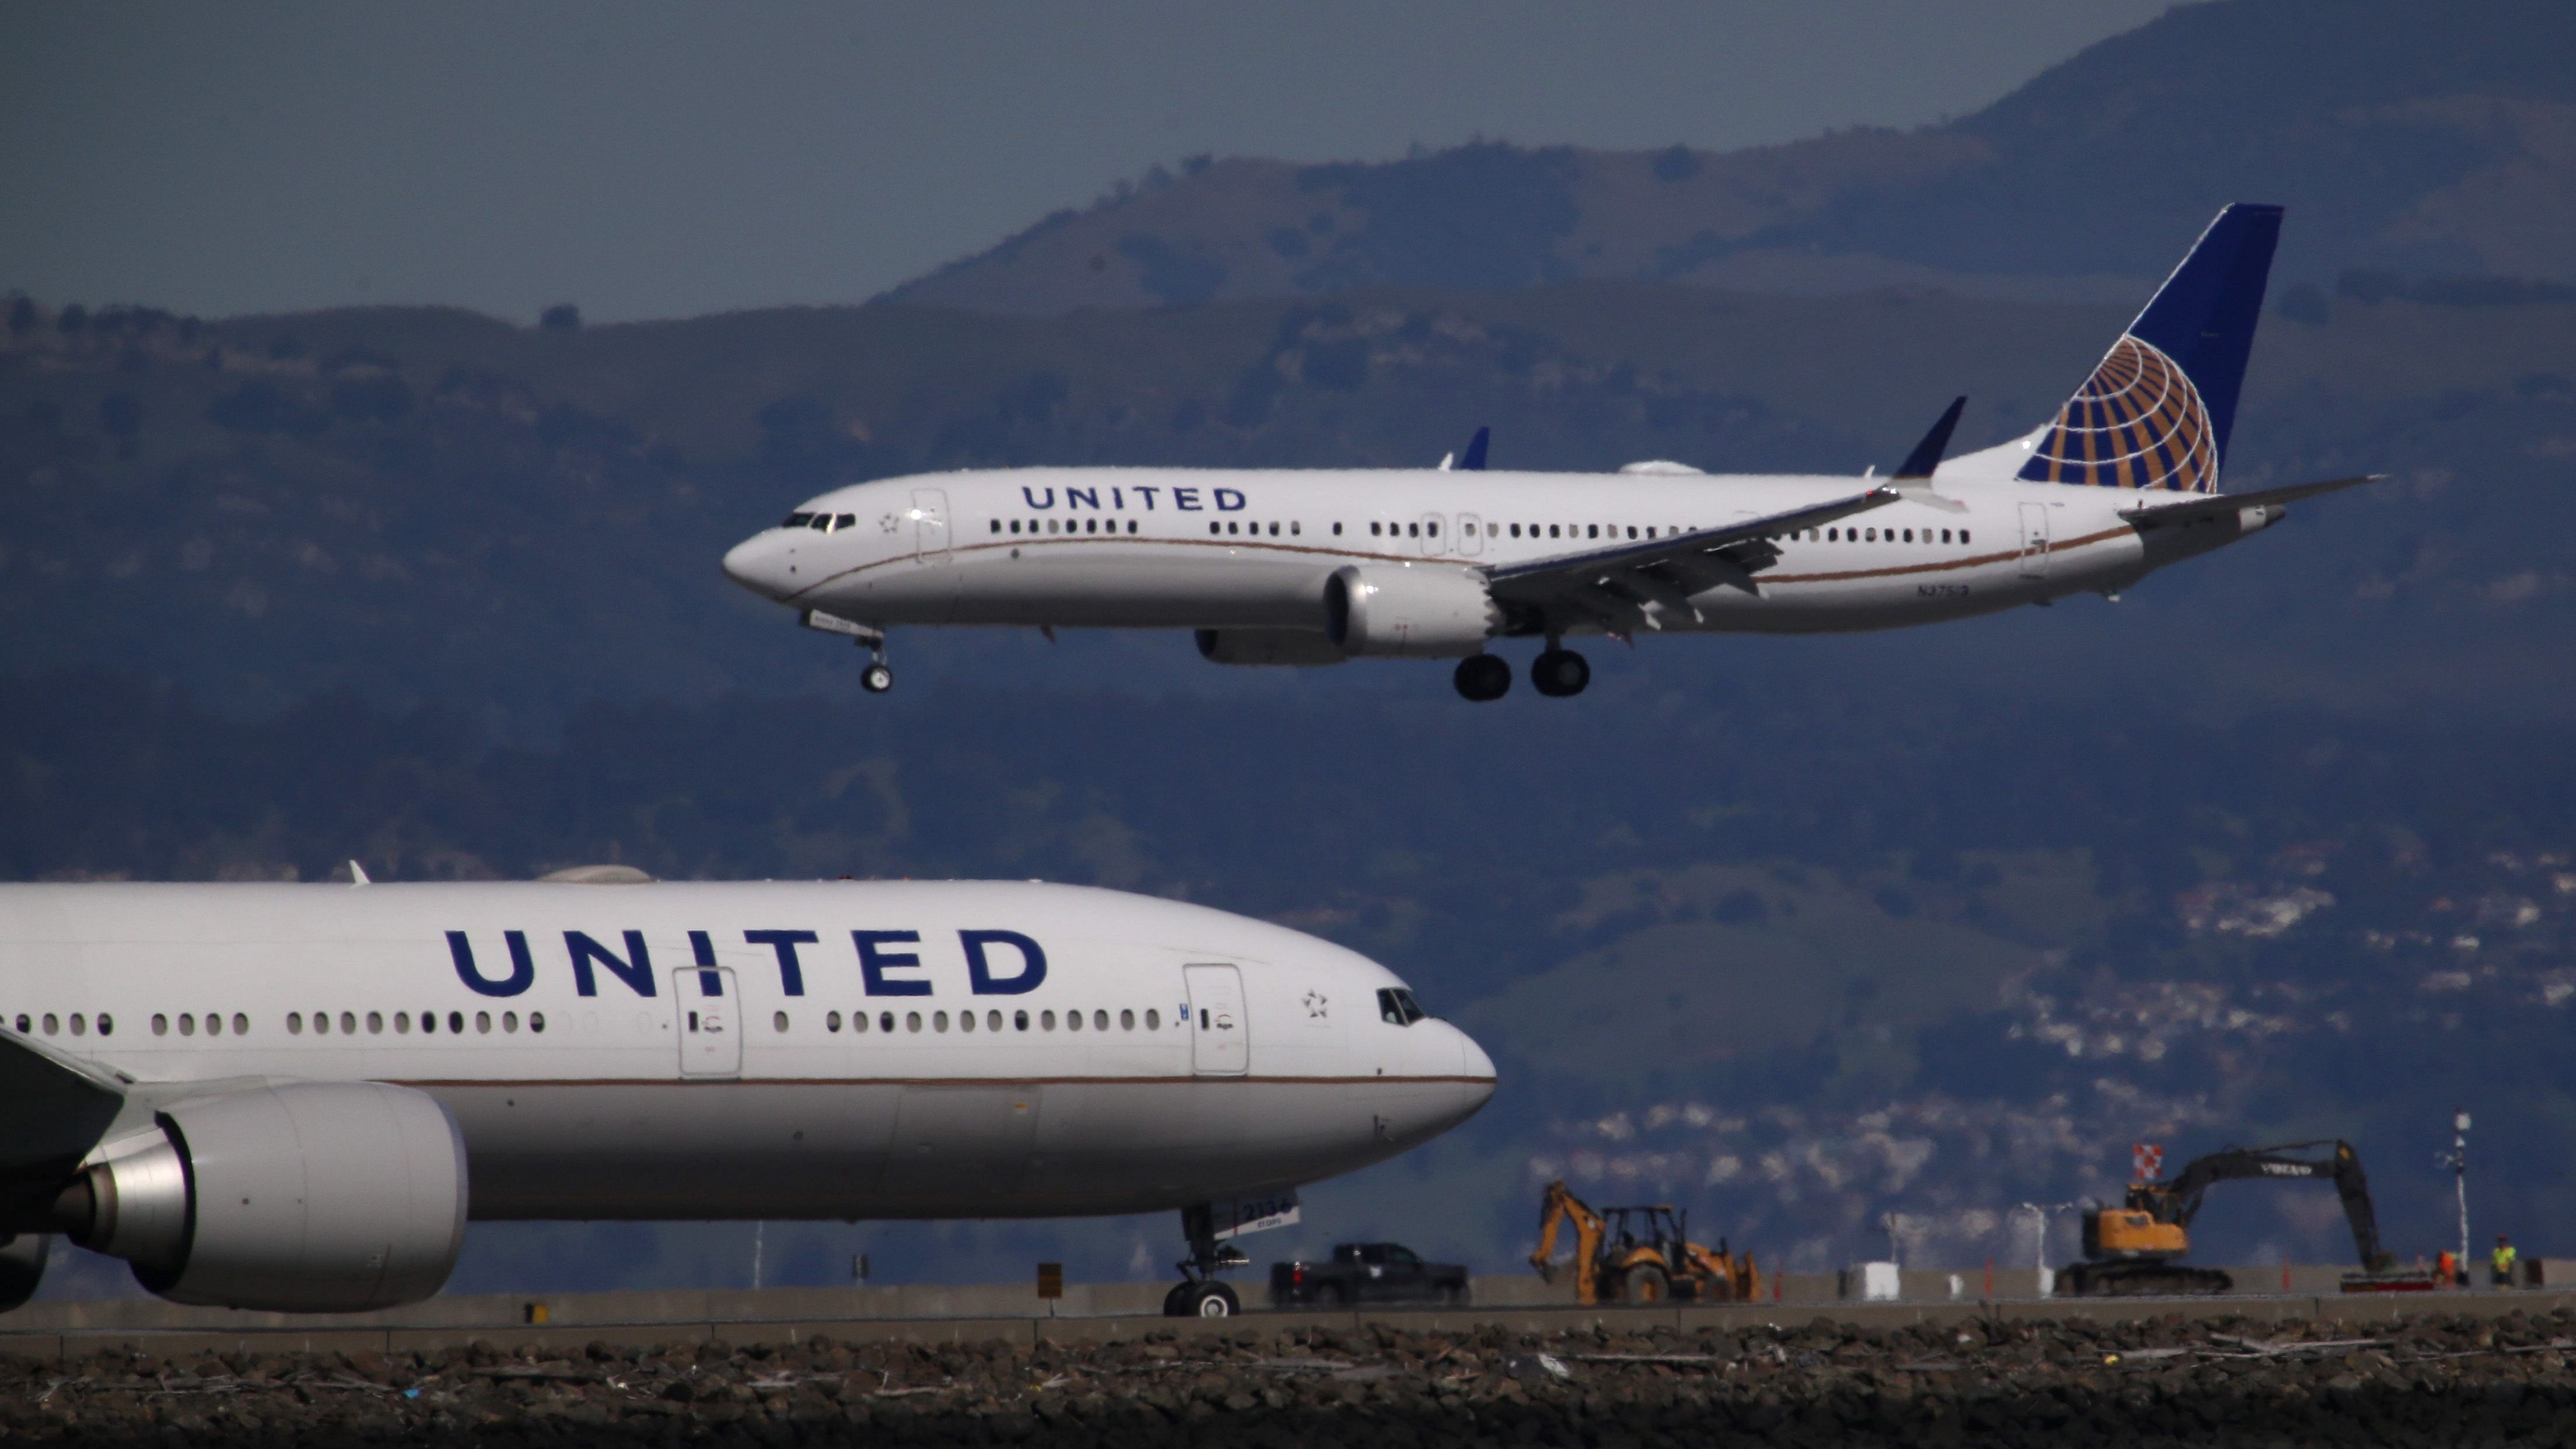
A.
pixel 2180 1202
pixel 1559 1205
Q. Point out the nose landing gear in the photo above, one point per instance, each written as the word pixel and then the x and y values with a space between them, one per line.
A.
pixel 1198 1294
pixel 878 677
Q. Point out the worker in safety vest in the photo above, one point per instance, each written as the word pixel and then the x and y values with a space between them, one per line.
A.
pixel 2500 1262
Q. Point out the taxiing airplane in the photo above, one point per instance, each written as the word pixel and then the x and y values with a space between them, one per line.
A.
pixel 294 1097
pixel 1315 566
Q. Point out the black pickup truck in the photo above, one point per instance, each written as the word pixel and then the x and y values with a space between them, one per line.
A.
pixel 1367 1273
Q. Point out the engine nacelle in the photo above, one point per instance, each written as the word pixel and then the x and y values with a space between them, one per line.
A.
pixel 313 1197
pixel 1421 611
pixel 1296 647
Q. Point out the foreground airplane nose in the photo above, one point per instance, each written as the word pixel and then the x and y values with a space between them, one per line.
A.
pixel 1472 1062
pixel 747 563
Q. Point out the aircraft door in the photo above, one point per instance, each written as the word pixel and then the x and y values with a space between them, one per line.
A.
pixel 1471 534
pixel 1432 527
pixel 930 524
pixel 710 1021
pixel 2034 540
pixel 1220 1037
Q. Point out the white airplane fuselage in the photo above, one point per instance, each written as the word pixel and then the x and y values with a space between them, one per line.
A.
pixel 1142 548
pixel 854 1050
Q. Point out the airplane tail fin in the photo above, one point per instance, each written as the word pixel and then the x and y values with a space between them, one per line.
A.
pixel 2157 410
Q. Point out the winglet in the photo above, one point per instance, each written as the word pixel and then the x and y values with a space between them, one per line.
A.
pixel 1473 460
pixel 1918 465
pixel 358 874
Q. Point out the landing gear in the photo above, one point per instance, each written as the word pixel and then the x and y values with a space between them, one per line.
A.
pixel 1559 673
pixel 1482 677
pixel 1198 1294
pixel 877 678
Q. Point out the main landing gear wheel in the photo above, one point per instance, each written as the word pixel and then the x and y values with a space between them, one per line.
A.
pixel 1482 677
pixel 876 678
pixel 1199 1294
pixel 1203 1300
pixel 1559 673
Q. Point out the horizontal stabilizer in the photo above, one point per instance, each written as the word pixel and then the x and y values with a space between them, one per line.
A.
pixel 2218 504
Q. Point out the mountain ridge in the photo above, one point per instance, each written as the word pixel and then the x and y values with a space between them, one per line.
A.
pixel 2402 139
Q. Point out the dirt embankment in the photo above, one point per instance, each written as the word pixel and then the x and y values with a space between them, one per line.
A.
pixel 2437 1380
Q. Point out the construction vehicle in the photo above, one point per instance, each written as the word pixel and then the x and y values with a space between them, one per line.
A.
pixel 2131 1249
pixel 1640 1254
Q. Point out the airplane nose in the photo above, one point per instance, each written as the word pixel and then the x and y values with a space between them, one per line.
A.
pixel 1472 1062
pixel 746 563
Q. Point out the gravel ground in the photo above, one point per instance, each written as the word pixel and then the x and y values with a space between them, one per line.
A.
pixel 2434 1380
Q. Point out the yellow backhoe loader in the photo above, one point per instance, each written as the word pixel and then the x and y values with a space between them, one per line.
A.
pixel 1638 1255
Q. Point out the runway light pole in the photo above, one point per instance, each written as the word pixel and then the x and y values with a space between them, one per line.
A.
pixel 2460 1187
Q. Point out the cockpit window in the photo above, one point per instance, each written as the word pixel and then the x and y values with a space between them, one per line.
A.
pixel 845 520
pixel 822 523
pixel 797 520
pixel 1396 1005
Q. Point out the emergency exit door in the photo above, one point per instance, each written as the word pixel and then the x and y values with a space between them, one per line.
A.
pixel 710 1021
pixel 1220 1038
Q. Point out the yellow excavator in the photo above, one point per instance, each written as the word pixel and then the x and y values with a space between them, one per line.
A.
pixel 1638 1254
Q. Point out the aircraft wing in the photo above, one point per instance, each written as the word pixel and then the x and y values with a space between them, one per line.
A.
pixel 53 1109
pixel 2214 505
pixel 1612 582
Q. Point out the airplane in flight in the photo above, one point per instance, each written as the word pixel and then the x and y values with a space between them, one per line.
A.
pixel 1316 566
pixel 294 1097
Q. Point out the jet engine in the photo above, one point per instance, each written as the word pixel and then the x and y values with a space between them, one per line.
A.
pixel 310 1197
pixel 1268 646
pixel 1422 611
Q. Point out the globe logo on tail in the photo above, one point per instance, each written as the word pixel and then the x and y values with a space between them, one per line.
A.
pixel 2137 422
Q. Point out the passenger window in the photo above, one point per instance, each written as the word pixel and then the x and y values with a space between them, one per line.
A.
pixel 1100 1021
pixel 348 1023
pixel 1963 535
pixel 1551 530
pixel 106 1024
pixel 778 1021
pixel 831 1021
pixel 402 1023
pixel 160 1024
pixel 295 1023
pixel 536 1021
pixel 1295 529
pixel 1413 530
pixel 1020 1020
pixel 1126 1021
pixel 1015 525
pixel 482 1021
pixel 858 1021
pixel 1432 528
pixel 1215 527
pixel 375 1023
pixel 509 1021
pixel 939 1021
pixel 912 1021
pixel 1945 535
pixel 1153 1020
pixel 1046 1020
pixel 992 1021
pixel 187 1023
pixel 965 1021
pixel 1595 531
pixel 80 1024
pixel 1073 1021
pixel 1337 530
pixel 1632 531
pixel 1909 535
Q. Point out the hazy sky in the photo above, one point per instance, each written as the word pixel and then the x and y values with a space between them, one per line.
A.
pixel 662 160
